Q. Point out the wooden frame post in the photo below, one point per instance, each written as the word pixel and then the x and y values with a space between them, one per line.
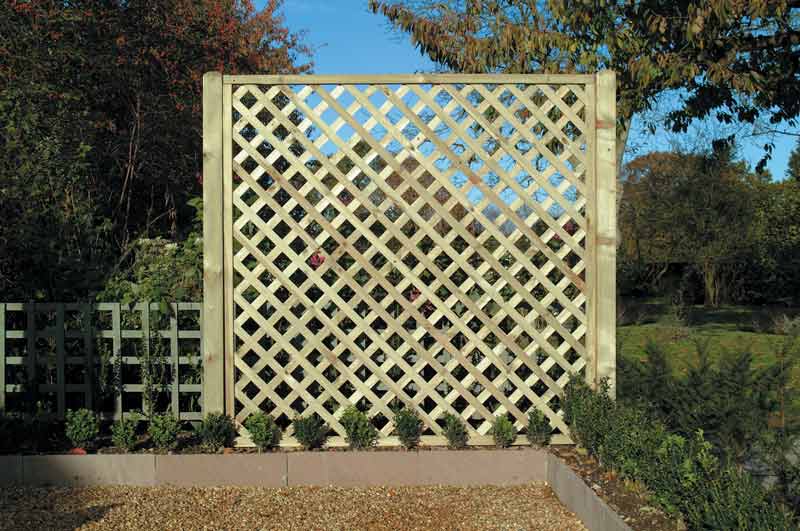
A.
pixel 2 356
pixel 213 299
pixel 605 336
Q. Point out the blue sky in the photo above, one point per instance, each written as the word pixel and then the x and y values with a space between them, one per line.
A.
pixel 350 40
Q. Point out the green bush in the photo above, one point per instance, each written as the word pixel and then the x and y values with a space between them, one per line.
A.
pixel 631 449
pixel 408 426
pixel 539 428
pixel 163 431
pixel 732 499
pixel 455 430
pixel 123 434
pixel 360 433
pixel 731 399
pixel 503 432
pixel 82 428
pixel 311 432
pixel 683 474
pixel 263 430
pixel 217 431
pixel 587 413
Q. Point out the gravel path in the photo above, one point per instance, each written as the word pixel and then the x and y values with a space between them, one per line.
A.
pixel 299 508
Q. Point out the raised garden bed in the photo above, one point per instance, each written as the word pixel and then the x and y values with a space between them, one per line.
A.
pixel 622 499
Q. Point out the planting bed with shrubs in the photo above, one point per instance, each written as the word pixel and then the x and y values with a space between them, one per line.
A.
pixel 163 433
pixel 622 444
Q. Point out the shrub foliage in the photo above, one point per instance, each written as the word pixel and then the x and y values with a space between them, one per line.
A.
pixel 539 429
pixel 82 428
pixel 123 434
pixel 683 473
pixel 503 432
pixel 311 432
pixel 408 426
pixel 217 431
pixel 360 431
pixel 264 432
pixel 455 430
pixel 163 431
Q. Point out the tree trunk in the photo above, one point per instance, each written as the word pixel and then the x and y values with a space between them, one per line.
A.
pixel 710 283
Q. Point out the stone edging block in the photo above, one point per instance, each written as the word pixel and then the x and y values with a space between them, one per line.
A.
pixel 88 470
pixel 576 496
pixel 241 470
pixel 11 470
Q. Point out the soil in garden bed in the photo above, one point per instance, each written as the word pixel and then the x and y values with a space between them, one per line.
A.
pixel 633 505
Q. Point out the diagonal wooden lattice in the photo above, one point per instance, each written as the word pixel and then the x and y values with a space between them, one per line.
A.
pixel 425 244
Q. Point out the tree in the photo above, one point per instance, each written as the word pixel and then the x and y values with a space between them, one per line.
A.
pixel 793 171
pixel 694 209
pixel 736 59
pixel 113 86
pixel 775 262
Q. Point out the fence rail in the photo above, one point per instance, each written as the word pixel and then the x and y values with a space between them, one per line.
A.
pixel 112 357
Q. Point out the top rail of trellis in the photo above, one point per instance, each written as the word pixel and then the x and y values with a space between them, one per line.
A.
pixel 419 79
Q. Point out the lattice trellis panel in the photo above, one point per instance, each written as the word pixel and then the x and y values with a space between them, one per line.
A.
pixel 424 243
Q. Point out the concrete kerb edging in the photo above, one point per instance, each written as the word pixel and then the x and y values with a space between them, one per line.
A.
pixel 576 496
pixel 344 469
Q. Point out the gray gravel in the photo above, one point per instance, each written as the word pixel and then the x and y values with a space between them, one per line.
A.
pixel 299 508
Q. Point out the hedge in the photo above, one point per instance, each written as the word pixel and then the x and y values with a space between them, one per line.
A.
pixel 683 475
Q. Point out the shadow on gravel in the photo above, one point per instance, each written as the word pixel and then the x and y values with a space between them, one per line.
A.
pixel 47 508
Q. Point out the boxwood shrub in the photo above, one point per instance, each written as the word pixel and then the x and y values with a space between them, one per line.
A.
pixel 163 431
pixel 311 431
pixel 360 433
pixel 503 432
pixel 123 434
pixel 264 432
pixel 217 431
pixel 82 428
pixel 683 474
pixel 408 426
pixel 455 430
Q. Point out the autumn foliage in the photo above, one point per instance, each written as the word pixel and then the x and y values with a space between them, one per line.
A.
pixel 101 132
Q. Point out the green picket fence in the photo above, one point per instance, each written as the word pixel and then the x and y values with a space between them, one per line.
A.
pixel 111 357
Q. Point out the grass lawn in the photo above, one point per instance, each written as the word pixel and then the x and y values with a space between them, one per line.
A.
pixel 727 329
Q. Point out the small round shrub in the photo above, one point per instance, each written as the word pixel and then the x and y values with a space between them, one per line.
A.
pixel 123 434
pixel 82 428
pixel 504 432
pixel 311 432
pixel 408 426
pixel 263 430
pixel 360 431
pixel 163 431
pixel 539 429
pixel 217 431
pixel 455 430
